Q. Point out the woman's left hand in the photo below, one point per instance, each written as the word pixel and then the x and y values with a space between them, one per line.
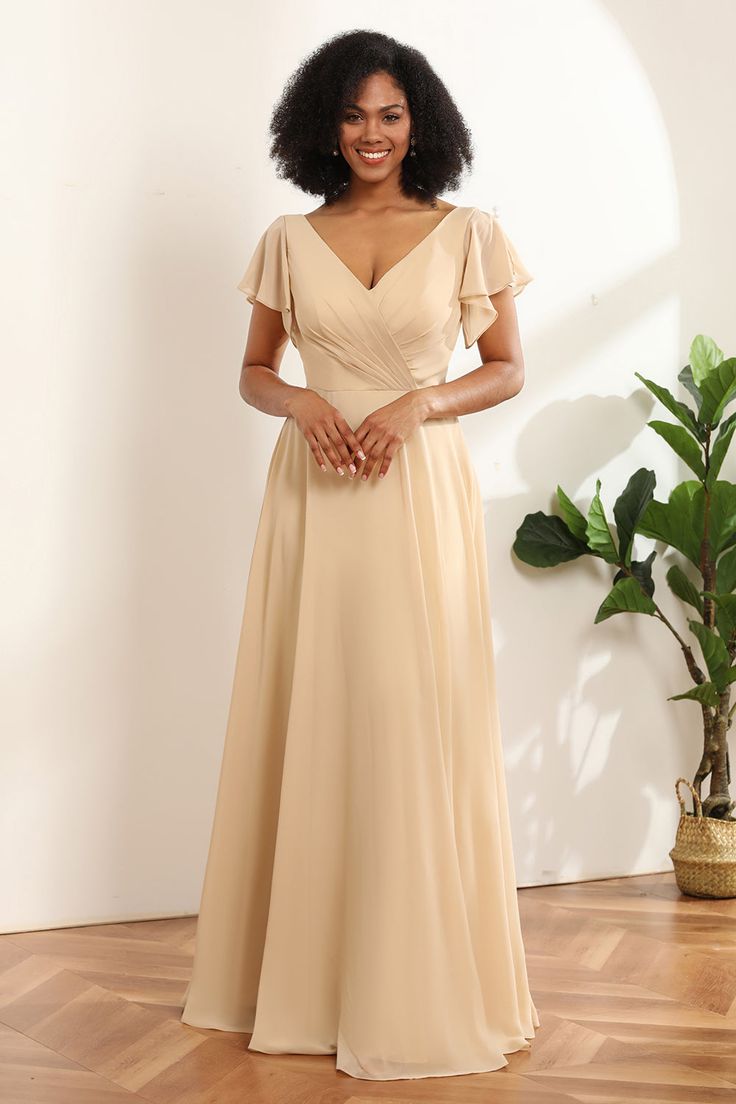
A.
pixel 385 430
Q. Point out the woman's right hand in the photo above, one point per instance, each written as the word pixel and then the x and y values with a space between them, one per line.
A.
pixel 326 431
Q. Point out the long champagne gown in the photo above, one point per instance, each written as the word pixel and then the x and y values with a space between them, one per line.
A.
pixel 359 896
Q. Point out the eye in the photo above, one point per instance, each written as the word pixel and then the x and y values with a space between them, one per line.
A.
pixel 353 116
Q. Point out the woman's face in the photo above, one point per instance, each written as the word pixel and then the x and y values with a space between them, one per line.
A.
pixel 379 122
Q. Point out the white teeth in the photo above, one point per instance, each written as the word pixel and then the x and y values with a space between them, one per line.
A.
pixel 374 156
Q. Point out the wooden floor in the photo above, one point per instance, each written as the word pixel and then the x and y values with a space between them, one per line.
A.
pixel 635 986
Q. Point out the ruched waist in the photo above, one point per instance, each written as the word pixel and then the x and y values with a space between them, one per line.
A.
pixel 356 402
pixel 363 390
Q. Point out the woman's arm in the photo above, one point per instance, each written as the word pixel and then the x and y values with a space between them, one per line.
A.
pixel 260 385
pixel 326 430
pixel 500 376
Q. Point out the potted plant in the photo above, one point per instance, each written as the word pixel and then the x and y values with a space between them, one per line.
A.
pixel 698 521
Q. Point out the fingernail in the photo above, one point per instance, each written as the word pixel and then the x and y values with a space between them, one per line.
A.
pixel 323 467
pixel 340 471
pixel 381 475
pixel 364 476
pixel 353 468
pixel 361 454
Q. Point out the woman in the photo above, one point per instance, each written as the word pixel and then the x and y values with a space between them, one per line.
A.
pixel 360 896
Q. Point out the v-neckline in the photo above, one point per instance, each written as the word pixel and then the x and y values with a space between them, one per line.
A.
pixel 370 290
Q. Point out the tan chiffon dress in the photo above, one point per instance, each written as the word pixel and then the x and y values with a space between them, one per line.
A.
pixel 360 896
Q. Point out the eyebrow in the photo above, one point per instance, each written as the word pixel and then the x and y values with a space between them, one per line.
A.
pixel 385 108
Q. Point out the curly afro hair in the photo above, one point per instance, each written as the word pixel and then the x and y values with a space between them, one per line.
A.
pixel 305 120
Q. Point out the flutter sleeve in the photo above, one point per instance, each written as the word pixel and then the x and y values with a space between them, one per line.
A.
pixel 267 276
pixel 491 264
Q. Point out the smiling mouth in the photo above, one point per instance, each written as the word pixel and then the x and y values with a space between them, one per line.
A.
pixel 373 155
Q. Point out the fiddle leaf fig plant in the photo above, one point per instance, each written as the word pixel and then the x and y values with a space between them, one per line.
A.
pixel 698 521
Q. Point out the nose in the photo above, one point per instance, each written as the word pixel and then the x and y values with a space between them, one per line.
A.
pixel 372 134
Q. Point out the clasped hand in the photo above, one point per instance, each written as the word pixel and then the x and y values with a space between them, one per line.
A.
pixel 356 452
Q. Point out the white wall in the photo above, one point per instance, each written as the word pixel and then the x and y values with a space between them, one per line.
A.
pixel 136 181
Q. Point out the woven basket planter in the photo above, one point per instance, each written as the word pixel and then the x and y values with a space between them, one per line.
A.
pixel 704 855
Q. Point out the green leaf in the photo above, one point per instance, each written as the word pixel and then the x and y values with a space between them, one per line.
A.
pixel 705 356
pixel 725 612
pixel 718 388
pixel 717 659
pixel 726 572
pixel 545 541
pixel 625 597
pixel 629 507
pixel 685 376
pixel 679 521
pixel 600 538
pixel 705 693
pixel 684 588
pixel 719 450
pixel 642 572
pixel 730 542
pixel 682 412
pixel 722 525
pixel 683 443
pixel 574 519
pixel 724 428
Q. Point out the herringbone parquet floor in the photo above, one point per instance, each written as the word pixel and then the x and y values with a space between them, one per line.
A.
pixel 635 986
